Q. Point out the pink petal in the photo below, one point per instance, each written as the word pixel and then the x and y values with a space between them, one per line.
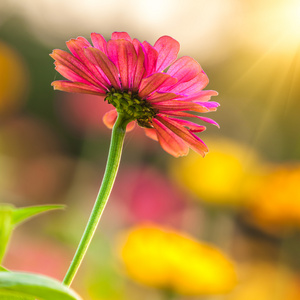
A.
pixel 191 139
pixel 151 133
pixel 99 42
pixel 161 96
pixel 193 127
pixel 110 118
pixel 185 114
pixel 184 69
pixel 123 55
pixel 75 44
pixel 130 126
pixel 77 87
pixel 169 141
pixel 178 105
pixel 121 36
pixel 167 49
pixel 68 60
pixel 194 86
pixel 208 120
pixel 105 65
pixel 153 82
pixel 150 58
pixel 77 48
pixel 211 105
pixel 70 74
pixel 202 96
pixel 140 69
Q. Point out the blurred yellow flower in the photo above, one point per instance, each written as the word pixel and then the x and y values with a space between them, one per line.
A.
pixel 13 79
pixel 168 260
pixel 276 202
pixel 222 177
pixel 264 281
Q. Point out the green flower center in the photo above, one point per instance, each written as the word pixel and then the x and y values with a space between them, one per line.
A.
pixel 132 107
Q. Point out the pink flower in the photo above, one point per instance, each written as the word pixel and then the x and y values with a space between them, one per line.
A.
pixel 147 84
pixel 146 195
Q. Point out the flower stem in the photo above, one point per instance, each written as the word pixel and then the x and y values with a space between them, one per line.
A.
pixel 112 165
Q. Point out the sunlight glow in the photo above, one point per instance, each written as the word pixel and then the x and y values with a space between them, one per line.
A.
pixel 276 26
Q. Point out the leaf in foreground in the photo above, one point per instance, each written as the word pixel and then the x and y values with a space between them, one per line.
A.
pixel 24 213
pixel 19 285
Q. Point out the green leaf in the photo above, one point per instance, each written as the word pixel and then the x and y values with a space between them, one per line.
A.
pixel 10 217
pixel 27 286
pixel 24 213
pixel 2 269
pixel 14 296
pixel 6 227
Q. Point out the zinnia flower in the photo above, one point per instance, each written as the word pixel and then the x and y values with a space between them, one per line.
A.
pixel 14 80
pixel 261 280
pixel 169 260
pixel 145 194
pixel 147 84
pixel 230 166
pixel 275 204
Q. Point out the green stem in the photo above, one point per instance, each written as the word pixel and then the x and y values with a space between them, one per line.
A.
pixel 112 165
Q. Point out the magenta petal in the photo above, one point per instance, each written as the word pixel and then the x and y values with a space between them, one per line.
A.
pixel 105 65
pixel 140 69
pixel 169 141
pixel 193 127
pixel 68 60
pixel 99 42
pixel 70 74
pixel 184 69
pixel 188 115
pixel 211 105
pixel 150 58
pixel 193 86
pixel 161 96
pixel 77 48
pixel 121 36
pixel 155 81
pixel 77 87
pixel 191 139
pixel 75 45
pixel 167 49
pixel 208 120
pixel 123 55
pixel 177 105
pixel 202 96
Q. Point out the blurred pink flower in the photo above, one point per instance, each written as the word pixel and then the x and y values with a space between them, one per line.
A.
pixel 34 254
pixel 130 76
pixel 148 195
pixel 82 113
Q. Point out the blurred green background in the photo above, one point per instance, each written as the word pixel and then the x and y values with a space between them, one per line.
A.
pixel 243 197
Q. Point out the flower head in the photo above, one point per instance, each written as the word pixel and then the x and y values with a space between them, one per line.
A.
pixel 168 260
pixel 230 166
pixel 275 203
pixel 146 84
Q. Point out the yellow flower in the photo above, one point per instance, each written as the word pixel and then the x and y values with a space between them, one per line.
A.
pixel 222 177
pixel 263 281
pixel 13 79
pixel 276 203
pixel 168 260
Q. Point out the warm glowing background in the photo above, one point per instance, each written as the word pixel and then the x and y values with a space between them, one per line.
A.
pixel 244 197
